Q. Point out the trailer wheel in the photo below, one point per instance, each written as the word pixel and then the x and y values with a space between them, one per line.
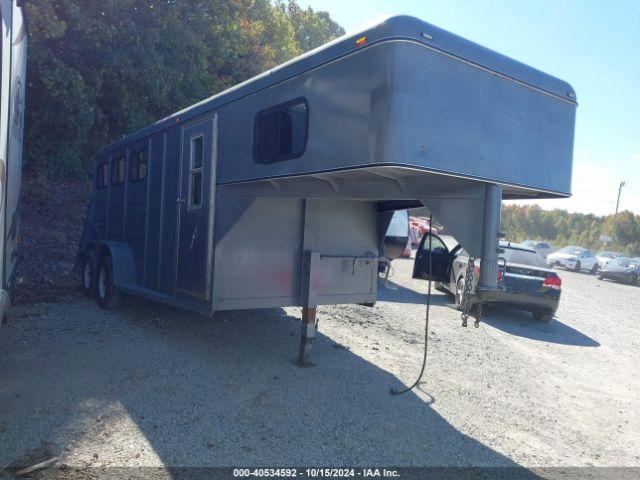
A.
pixel 107 294
pixel 89 273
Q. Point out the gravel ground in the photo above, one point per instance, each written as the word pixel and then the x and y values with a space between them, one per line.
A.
pixel 153 386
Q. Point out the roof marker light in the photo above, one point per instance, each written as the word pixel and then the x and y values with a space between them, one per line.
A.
pixel 426 35
pixel 361 40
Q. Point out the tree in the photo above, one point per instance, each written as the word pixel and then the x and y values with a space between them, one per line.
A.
pixel 561 228
pixel 99 69
pixel 312 29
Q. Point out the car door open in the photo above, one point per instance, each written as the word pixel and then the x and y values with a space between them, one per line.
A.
pixel 440 259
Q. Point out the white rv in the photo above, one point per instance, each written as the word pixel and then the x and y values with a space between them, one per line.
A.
pixel 13 45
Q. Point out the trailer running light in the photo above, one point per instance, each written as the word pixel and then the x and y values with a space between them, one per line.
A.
pixel 361 40
pixel 553 282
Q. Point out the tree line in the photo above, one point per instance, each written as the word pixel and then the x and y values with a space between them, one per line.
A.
pixel 561 228
pixel 99 69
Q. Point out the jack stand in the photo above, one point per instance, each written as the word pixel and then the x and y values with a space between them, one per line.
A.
pixel 307 332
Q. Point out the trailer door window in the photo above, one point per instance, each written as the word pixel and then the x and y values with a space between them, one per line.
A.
pixel 197 160
pixel 117 171
pixel 280 132
pixel 138 166
pixel 103 174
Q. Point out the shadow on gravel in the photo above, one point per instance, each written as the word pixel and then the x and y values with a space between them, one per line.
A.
pixel 521 324
pixel 214 392
pixel 392 292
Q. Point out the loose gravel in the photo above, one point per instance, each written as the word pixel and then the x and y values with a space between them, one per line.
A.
pixel 154 386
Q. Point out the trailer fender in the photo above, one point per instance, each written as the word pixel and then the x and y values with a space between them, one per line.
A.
pixel 123 261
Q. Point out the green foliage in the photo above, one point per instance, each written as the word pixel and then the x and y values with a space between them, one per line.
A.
pixel 561 228
pixel 99 69
pixel 312 29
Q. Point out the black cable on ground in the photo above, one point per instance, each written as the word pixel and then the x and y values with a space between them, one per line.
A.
pixel 426 323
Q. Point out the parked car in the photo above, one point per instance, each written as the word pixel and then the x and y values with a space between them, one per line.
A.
pixel 543 248
pixel 605 257
pixel 573 258
pixel 524 279
pixel 621 269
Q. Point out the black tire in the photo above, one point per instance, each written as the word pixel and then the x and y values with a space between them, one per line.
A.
pixel 88 275
pixel 599 277
pixel 107 294
pixel 633 280
pixel 594 270
pixel 458 294
pixel 544 317
pixel 578 267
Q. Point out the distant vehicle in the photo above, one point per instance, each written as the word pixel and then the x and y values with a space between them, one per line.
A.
pixel 418 227
pixel 524 279
pixel 621 269
pixel 574 258
pixel 543 248
pixel 605 257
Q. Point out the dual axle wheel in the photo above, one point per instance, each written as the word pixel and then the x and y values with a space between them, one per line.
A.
pixel 97 280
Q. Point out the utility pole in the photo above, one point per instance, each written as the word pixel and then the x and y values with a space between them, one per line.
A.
pixel 615 216
pixel 622 184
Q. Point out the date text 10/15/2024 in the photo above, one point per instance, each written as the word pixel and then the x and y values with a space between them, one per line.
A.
pixel 316 472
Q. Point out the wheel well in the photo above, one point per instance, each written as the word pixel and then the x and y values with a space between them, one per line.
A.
pixel 122 261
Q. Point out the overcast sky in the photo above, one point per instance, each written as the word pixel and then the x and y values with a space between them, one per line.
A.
pixel 594 45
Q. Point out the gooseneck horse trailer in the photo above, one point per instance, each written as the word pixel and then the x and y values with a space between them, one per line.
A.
pixel 13 48
pixel 278 192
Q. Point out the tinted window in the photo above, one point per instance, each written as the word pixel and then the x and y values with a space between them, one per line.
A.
pixel 437 246
pixel 523 257
pixel 280 132
pixel 117 171
pixel 544 245
pixel 138 166
pixel 103 174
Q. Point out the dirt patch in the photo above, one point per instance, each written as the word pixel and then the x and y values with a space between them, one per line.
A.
pixel 53 212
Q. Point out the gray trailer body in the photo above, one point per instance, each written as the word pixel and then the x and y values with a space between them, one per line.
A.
pixel 409 116
pixel 13 47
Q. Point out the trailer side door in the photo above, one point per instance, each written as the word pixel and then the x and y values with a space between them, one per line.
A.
pixel 195 212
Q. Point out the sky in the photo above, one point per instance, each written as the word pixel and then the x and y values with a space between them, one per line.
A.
pixel 593 45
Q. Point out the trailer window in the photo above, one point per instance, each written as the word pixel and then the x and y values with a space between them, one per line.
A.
pixel 103 174
pixel 197 160
pixel 117 171
pixel 138 166
pixel 280 132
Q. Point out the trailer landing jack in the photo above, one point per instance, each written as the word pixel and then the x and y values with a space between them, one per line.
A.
pixel 307 332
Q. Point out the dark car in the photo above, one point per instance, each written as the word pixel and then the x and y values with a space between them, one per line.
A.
pixel 621 269
pixel 524 279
